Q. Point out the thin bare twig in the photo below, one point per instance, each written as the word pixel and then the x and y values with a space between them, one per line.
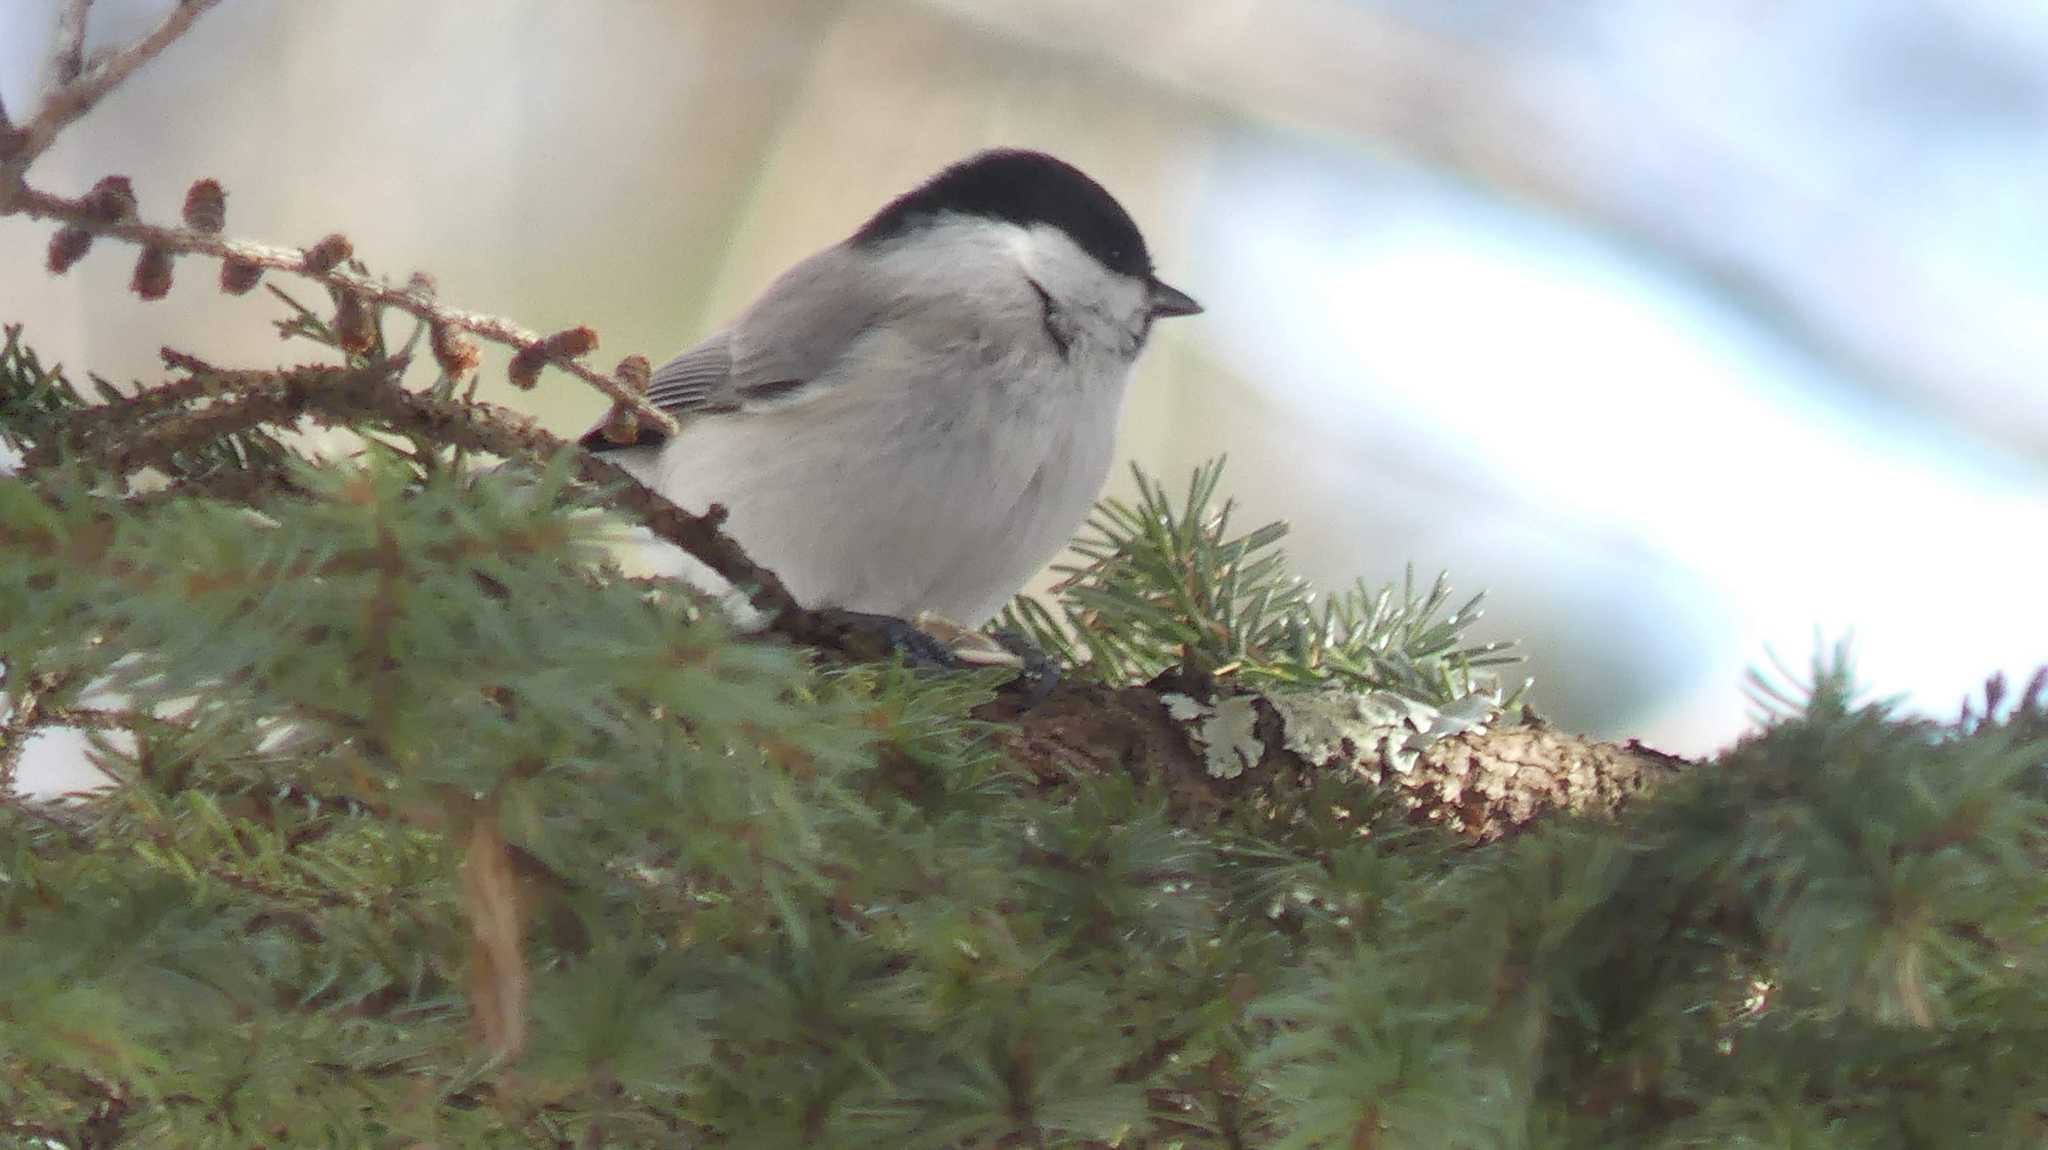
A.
pixel 67 58
pixel 71 98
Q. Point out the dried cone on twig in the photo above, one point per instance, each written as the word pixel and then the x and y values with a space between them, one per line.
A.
pixel 327 255
pixel 570 343
pixel 355 326
pixel 524 371
pixel 622 426
pixel 206 207
pixel 67 247
pixel 112 200
pixel 456 353
pixel 238 276
pixel 152 278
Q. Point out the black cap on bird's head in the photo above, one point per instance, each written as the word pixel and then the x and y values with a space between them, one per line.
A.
pixel 1025 188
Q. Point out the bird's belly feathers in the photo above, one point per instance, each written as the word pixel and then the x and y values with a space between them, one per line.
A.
pixel 893 506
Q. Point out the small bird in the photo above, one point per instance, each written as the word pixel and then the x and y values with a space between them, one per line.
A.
pixel 915 420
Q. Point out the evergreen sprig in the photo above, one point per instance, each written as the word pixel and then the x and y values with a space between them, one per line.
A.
pixel 1163 584
pixel 36 401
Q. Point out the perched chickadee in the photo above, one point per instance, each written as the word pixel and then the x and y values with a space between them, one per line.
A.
pixel 918 418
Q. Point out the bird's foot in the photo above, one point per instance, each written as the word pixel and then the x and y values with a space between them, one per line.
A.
pixel 1037 674
pixel 934 642
pixel 870 636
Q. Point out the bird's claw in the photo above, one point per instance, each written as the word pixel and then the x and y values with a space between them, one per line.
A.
pixel 1037 673
pixel 935 642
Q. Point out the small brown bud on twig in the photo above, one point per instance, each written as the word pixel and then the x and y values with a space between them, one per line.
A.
pixel 355 326
pixel 67 247
pixel 206 207
pixel 152 279
pixel 565 344
pixel 422 285
pixel 112 200
pixel 622 426
pixel 238 276
pixel 570 343
pixel 526 364
pixel 327 255
pixel 634 372
pixel 456 353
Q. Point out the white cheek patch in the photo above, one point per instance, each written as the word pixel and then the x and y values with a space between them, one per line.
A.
pixel 1023 245
pixel 1089 305
pixel 1076 282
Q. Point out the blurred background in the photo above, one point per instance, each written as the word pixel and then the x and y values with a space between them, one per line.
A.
pixel 1687 330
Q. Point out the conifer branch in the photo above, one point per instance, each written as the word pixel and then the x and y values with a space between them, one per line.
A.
pixel 413 298
pixel 109 211
pixel 67 57
pixel 153 427
pixel 1167 586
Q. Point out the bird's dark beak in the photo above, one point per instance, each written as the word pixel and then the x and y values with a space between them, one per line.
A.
pixel 1170 301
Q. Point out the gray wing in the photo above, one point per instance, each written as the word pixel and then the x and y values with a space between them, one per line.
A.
pixel 779 353
pixel 697 379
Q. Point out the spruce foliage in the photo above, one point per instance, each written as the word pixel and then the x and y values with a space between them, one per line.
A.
pixel 429 828
pixel 1161 585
